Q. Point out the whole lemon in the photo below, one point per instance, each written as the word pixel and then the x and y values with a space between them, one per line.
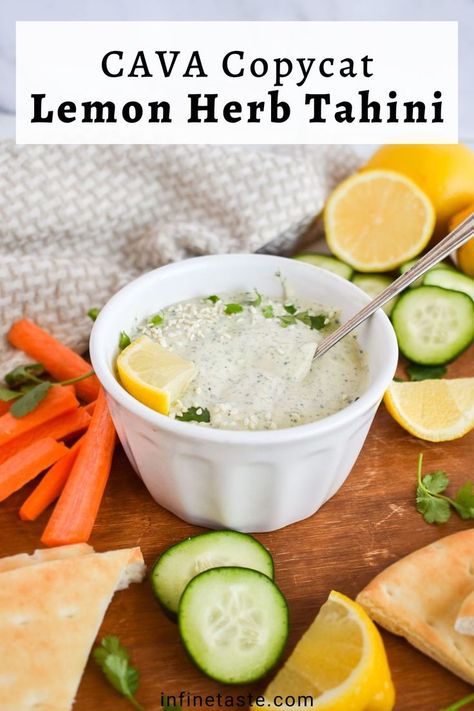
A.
pixel 444 172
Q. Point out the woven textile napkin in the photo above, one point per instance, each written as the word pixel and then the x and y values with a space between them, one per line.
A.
pixel 78 222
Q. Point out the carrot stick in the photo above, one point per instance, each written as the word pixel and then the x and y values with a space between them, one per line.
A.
pixel 25 465
pixel 5 406
pixel 60 399
pixel 90 407
pixel 76 510
pixel 60 427
pixel 58 359
pixel 50 485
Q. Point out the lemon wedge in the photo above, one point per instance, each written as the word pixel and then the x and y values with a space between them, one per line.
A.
pixel 435 410
pixel 340 662
pixel 378 219
pixel 154 375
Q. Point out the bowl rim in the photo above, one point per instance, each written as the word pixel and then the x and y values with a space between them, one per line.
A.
pixel 369 398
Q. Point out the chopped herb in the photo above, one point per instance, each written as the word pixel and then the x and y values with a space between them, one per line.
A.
pixel 31 399
pixel 195 414
pixel 6 395
pixel 114 660
pixel 290 309
pixel 156 320
pixel 255 302
pixel 434 505
pixel 286 321
pixel 124 340
pixel 93 313
pixel 425 372
pixel 267 311
pixel 314 322
pixel 459 704
pixel 24 374
pixel 233 309
pixel 170 707
pixel 213 298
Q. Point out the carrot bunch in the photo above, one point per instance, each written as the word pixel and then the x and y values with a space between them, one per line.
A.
pixel 75 476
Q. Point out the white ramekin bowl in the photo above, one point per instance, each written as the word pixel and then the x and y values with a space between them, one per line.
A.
pixel 250 481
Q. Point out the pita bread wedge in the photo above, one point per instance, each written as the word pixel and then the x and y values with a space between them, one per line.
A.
pixel 464 623
pixel 43 554
pixel 419 598
pixel 50 614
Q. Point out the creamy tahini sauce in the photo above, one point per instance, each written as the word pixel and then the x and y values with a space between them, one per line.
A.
pixel 255 370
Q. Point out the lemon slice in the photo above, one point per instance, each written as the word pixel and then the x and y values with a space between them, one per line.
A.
pixel 340 661
pixel 378 219
pixel 435 410
pixel 154 375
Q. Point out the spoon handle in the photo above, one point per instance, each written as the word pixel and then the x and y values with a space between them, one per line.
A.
pixel 461 234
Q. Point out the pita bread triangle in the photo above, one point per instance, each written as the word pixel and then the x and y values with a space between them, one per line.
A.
pixel 419 598
pixel 43 554
pixel 50 613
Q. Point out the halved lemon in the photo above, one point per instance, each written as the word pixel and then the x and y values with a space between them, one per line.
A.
pixel 152 374
pixel 378 219
pixel 339 662
pixel 435 410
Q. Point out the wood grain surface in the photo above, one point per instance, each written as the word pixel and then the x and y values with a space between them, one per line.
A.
pixel 370 523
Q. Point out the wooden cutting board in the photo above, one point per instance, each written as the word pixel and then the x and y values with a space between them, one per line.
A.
pixel 370 523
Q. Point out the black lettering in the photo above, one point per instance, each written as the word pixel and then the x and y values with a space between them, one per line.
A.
pixel 164 68
pixel 253 67
pixel 279 74
pixel 304 71
pixel 132 112
pixel 392 108
pixel 322 69
pixel 279 110
pixel 317 101
pixel 347 71
pixel 140 63
pixel 98 107
pixel 64 109
pixel 367 106
pixel 209 107
pixel 255 106
pixel 37 106
pixel 195 63
pixel 365 62
pixel 437 106
pixel 225 64
pixel 233 107
pixel 165 109
pixel 344 113
pixel 105 66
pixel 410 107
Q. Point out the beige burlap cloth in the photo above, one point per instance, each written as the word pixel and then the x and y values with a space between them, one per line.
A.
pixel 78 222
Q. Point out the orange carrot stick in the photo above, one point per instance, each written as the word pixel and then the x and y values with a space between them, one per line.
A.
pixel 90 407
pixel 71 423
pixel 60 399
pixel 5 406
pixel 58 359
pixel 25 465
pixel 50 485
pixel 76 510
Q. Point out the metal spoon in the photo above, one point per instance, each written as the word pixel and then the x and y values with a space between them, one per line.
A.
pixel 462 233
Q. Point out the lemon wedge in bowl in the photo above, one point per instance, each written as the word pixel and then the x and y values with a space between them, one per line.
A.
pixel 434 410
pixel 154 375
pixel 339 662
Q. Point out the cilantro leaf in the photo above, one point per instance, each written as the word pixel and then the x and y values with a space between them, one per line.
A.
pixel 27 402
pixel 6 395
pixel 195 414
pixel 290 309
pixel 255 302
pixel 156 320
pixel 114 660
pixel 464 501
pixel 233 309
pixel 433 509
pixel 124 340
pixel 23 374
pixel 436 483
pixel 170 707
pixel 213 298
pixel 286 321
pixel 93 313
pixel 425 372
pixel 267 311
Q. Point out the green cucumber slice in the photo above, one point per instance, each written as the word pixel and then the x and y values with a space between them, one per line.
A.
pixel 433 325
pixel 405 267
pixel 450 279
pixel 179 564
pixel 373 284
pixel 233 623
pixel 324 261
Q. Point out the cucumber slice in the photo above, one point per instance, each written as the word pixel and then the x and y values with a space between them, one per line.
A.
pixel 373 284
pixel 405 267
pixel 233 623
pixel 179 564
pixel 450 279
pixel 433 325
pixel 324 261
